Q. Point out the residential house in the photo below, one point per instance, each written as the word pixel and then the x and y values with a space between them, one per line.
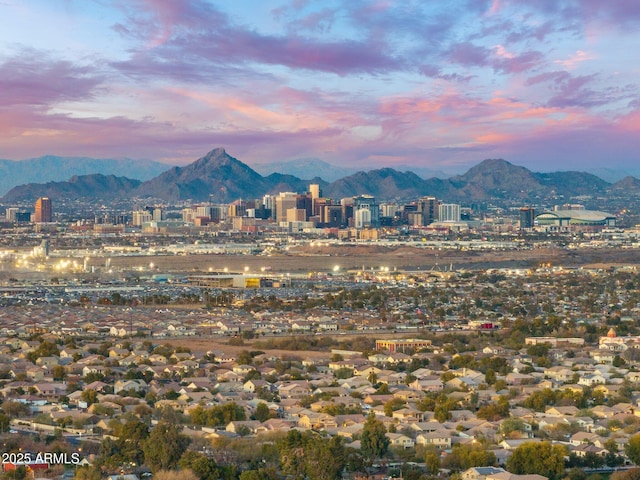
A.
pixel 480 473
pixel 399 440
pixel 440 439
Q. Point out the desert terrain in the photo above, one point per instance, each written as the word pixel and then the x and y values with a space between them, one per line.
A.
pixel 324 259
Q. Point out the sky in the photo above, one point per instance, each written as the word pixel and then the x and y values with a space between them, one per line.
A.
pixel 546 84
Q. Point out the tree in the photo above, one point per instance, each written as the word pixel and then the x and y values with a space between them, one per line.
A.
pixel 618 361
pixel 464 456
pixel 432 461
pixel 442 411
pixel 88 473
pixel 325 459
pixel 260 474
pixel 14 409
pixel 495 411
pixel 576 474
pixel 90 396
pixel 164 447
pixel 59 372
pixel 5 422
pixel 632 449
pixel 383 389
pixel 343 373
pixel 373 440
pixel 262 412
pixel 131 434
pixel 542 458
pixel 217 415
pixel 45 349
pixel 173 475
pixel 245 358
pixel 633 474
pixel 92 377
pixel 311 456
pixel 203 467
pixel 19 473
pixel 291 451
pixel 393 405
pixel 512 424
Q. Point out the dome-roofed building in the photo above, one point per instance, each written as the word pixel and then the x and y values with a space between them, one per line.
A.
pixel 559 220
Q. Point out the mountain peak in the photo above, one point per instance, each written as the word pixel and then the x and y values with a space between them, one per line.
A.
pixel 627 183
pixel 216 175
pixel 494 163
pixel 216 152
pixel 216 158
pixel 496 169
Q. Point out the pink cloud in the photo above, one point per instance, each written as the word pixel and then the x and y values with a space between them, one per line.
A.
pixel 320 21
pixel 468 55
pixel 157 21
pixel 34 79
pixel 575 59
pixel 421 84
pixel 582 15
pixel 118 136
pixel 190 32
pixel 518 63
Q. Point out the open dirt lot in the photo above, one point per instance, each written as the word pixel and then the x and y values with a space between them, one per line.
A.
pixel 221 344
pixel 205 344
pixel 351 258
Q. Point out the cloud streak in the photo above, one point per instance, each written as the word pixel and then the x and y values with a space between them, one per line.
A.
pixel 359 82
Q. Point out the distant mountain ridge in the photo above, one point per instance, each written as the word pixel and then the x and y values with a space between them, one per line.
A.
pixel 314 167
pixel 306 168
pixel 82 187
pixel 221 178
pixel 216 176
pixel 53 168
pixel 613 175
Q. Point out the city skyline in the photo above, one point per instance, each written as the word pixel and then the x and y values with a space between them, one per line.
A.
pixel 550 86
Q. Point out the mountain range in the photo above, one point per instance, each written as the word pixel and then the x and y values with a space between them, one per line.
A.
pixel 221 178
pixel 52 168
pixel 303 167
pixel 97 185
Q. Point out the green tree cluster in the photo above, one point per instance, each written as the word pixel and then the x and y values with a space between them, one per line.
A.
pixel 632 449
pixel 45 349
pixel 217 415
pixel 495 411
pixel 540 400
pixel 465 456
pixel 127 447
pixel 542 458
pixel 164 447
pixel 373 440
pixel 311 456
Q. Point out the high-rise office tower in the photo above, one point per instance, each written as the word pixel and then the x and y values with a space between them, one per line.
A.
pixel 284 201
pixel 428 206
pixel 315 191
pixel 43 211
pixel 449 212
pixel 527 217
pixel 368 203
pixel 140 217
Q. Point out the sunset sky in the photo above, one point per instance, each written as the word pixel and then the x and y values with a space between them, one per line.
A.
pixel 547 84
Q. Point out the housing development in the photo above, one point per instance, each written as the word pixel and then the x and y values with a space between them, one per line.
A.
pixel 298 336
